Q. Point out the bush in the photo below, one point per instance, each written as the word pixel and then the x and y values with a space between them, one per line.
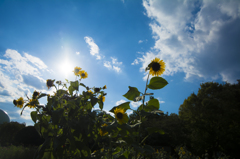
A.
pixel 17 152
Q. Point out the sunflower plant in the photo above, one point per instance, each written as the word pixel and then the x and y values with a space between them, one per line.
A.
pixel 73 129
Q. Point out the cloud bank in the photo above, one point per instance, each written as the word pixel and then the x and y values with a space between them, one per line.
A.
pixel 19 74
pixel 199 38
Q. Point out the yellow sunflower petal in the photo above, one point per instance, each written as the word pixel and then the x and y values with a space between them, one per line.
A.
pixel 77 70
pixel 120 115
pixel 83 74
pixel 157 67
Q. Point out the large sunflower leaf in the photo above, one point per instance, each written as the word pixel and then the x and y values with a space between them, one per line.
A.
pixel 157 83
pixel 132 93
pixel 124 106
pixel 74 84
pixel 34 116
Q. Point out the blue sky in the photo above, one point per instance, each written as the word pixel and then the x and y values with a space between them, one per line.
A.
pixel 114 41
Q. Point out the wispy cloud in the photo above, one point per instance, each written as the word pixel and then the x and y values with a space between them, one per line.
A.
pixel 198 38
pixel 94 49
pixel 113 65
pixel 120 102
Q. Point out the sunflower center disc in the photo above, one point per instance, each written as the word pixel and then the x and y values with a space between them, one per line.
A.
pixel 83 75
pixel 119 115
pixel 76 70
pixel 49 83
pixel 20 102
pixel 156 66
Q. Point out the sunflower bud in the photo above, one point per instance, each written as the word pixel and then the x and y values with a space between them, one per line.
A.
pixel 15 102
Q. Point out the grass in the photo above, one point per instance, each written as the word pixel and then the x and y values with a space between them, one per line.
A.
pixel 17 152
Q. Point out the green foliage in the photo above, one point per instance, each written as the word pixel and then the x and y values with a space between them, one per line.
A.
pixel 211 117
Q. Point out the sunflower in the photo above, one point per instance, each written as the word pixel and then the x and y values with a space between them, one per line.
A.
pixel 83 74
pixel 157 67
pixel 77 70
pixel 101 132
pixel 105 87
pixel 19 103
pixel 50 83
pixel 35 94
pixel 101 97
pixel 120 115
pixel 90 91
pixel 31 101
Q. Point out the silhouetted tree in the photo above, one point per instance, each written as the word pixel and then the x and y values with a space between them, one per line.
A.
pixel 212 118
pixel 8 131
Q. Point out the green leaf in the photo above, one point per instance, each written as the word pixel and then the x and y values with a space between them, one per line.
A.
pixel 132 93
pixel 42 95
pixel 152 104
pixel 61 92
pixel 81 84
pixel 56 115
pixel 100 103
pixel 157 83
pixel 74 85
pixel 34 116
pixel 70 89
pixel 155 130
pixel 124 106
pixel 93 100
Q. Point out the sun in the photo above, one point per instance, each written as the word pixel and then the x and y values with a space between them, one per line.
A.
pixel 66 68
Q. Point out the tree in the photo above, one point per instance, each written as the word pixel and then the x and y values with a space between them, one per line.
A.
pixel 212 118
pixel 8 131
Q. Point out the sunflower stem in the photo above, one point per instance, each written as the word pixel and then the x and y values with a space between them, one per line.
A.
pixel 145 91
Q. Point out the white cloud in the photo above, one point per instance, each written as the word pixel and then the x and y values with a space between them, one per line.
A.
pixel 136 104
pixel 26 113
pixel 94 49
pixel 19 74
pixel 135 62
pixel 129 112
pixel 162 101
pixel 114 61
pixel 113 65
pixel 117 69
pixel 140 41
pixel 198 38
pixel 36 61
pixel 107 64
pixel 120 102
pixel 77 53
